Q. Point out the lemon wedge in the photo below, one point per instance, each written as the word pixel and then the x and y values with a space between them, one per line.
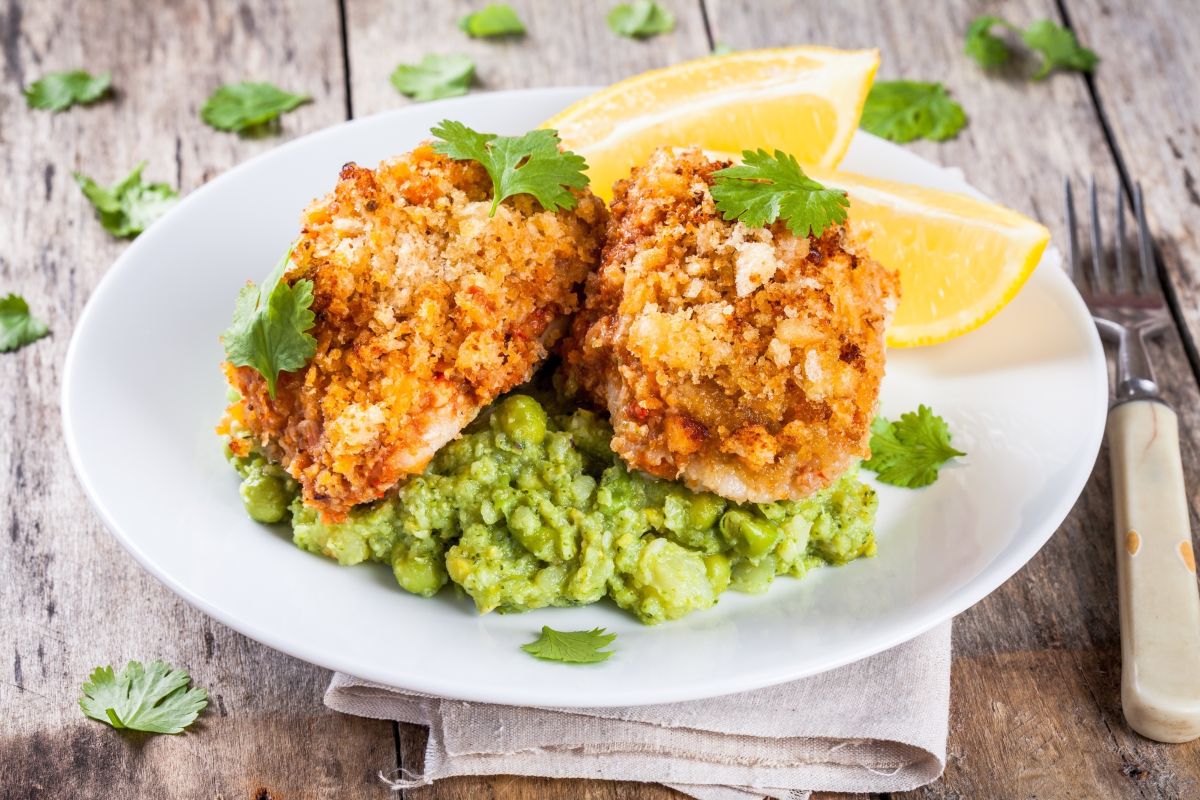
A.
pixel 803 100
pixel 960 259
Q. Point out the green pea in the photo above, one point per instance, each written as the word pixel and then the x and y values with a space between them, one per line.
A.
pixel 523 419
pixel 704 510
pixel 718 568
pixel 265 497
pixel 750 536
pixel 421 575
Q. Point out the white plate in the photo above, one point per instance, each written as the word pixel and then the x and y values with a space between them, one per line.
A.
pixel 1024 395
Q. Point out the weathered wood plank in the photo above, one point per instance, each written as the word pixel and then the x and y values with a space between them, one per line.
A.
pixel 1148 85
pixel 1057 617
pixel 71 598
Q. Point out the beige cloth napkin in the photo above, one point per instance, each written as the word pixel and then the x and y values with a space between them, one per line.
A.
pixel 878 725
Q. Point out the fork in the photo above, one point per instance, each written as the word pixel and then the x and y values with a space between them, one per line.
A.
pixel 1156 567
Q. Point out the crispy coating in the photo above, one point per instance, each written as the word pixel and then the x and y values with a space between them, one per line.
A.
pixel 745 362
pixel 426 310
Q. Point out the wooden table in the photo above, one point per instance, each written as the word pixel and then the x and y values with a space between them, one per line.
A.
pixel 1035 710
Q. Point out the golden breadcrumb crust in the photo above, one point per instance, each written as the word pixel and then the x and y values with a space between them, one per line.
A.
pixel 743 361
pixel 426 310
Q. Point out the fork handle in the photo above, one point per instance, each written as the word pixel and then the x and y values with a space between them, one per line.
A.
pixel 1156 574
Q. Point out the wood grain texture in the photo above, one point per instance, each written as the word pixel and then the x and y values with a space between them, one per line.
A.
pixel 71 597
pixel 1148 86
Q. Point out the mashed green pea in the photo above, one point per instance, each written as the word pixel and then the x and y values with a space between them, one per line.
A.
pixel 530 508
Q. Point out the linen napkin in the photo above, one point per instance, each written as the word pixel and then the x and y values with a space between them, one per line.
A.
pixel 878 725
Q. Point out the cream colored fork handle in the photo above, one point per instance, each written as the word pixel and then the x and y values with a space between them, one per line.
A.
pixel 1156 574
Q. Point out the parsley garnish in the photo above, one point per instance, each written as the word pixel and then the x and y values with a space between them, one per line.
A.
pixel 907 110
pixel 248 107
pixel 571 647
pixel 530 164
pixel 17 326
pixel 496 19
pixel 58 91
pixel 640 19
pixel 765 188
pixel 984 46
pixel 909 451
pixel 129 206
pixel 270 326
pixel 435 77
pixel 154 699
pixel 1059 48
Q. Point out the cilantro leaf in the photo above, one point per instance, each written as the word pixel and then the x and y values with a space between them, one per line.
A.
pixel 128 206
pixel 495 19
pixel 571 647
pixel 1059 48
pixel 154 699
pixel 909 451
pixel 530 164
pixel 984 46
pixel 765 188
pixel 248 106
pixel 907 110
pixel 435 77
pixel 17 326
pixel 270 326
pixel 58 91
pixel 640 19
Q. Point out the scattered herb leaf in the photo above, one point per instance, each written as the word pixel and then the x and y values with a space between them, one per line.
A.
pixel 58 91
pixel 435 77
pixel 640 19
pixel 1059 48
pixel 154 699
pixel 128 206
pixel 270 326
pixel 721 49
pixel 17 326
pixel 248 106
pixel 530 164
pixel 983 45
pixel 495 19
pixel 907 110
pixel 571 647
pixel 909 451
pixel 765 188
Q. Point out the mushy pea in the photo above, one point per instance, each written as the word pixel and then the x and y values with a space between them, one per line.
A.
pixel 530 509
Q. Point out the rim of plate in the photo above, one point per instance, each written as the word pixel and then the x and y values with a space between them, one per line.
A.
pixel 999 570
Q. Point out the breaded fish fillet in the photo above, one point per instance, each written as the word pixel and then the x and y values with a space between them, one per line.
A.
pixel 426 310
pixel 745 362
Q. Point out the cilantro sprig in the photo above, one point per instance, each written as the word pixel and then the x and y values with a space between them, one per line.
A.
pixel 153 699
pixel 531 164
pixel 270 326
pixel 248 107
pixel 435 77
pixel 495 19
pixel 640 19
pixel 571 647
pixel 905 110
pixel 909 451
pixel 1058 46
pixel 128 206
pixel 17 326
pixel 58 91
pixel 764 188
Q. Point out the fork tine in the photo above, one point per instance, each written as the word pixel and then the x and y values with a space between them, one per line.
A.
pixel 1097 238
pixel 1145 249
pixel 1072 232
pixel 1122 279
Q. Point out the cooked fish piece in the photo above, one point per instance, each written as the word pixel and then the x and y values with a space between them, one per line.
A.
pixel 426 310
pixel 745 362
